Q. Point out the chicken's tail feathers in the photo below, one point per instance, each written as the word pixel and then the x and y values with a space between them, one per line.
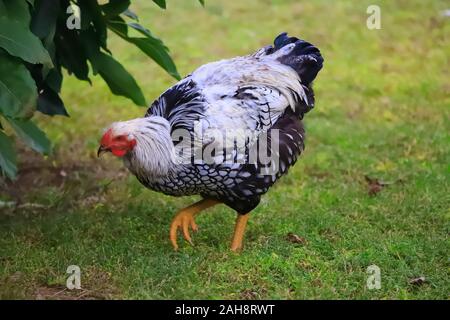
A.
pixel 300 55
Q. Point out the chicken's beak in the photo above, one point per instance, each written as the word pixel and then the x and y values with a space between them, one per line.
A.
pixel 102 150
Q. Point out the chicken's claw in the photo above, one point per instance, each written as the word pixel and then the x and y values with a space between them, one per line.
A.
pixel 183 220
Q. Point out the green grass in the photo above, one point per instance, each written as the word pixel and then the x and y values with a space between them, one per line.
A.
pixel 382 110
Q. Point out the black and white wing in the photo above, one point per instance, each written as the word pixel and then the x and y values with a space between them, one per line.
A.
pixel 251 93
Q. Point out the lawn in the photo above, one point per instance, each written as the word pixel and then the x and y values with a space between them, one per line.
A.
pixel 382 114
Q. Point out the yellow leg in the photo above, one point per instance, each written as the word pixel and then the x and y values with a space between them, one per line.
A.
pixel 185 219
pixel 239 229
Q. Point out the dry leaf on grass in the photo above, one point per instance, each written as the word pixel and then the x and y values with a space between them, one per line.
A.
pixel 291 237
pixel 417 281
pixel 374 185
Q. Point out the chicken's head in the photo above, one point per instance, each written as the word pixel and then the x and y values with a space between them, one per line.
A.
pixel 118 143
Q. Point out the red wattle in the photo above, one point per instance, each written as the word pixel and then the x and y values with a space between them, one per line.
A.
pixel 118 152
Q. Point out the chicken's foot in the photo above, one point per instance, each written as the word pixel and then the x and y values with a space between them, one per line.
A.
pixel 185 219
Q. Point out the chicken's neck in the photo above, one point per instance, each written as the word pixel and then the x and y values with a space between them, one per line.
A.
pixel 154 155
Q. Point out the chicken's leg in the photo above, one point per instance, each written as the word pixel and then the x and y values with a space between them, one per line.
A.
pixel 239 229
pixel 185 219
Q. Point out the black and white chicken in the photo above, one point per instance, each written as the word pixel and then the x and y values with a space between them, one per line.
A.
pixel 226 132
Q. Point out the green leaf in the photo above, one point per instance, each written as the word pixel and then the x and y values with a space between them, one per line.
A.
pixel 118 79
pixel 31 134
pixel 72 54
pixel 150 45
pixel 154 50
pixel 118 25
pixel 17 10
pixel 54 80
pixel 144 31
pixel 50 103
pixel 85 15
pixel 7 156
pixel 44 18
pixel 115 7
pixel 130 14
pixel 18 94
pixel 19 41
pixel 202 2
pixel 160 3
pixel 93 10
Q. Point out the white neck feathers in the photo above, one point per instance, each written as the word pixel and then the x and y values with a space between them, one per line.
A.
pixel 154 153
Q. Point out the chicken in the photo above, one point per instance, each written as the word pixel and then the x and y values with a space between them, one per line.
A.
pixel 227 132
